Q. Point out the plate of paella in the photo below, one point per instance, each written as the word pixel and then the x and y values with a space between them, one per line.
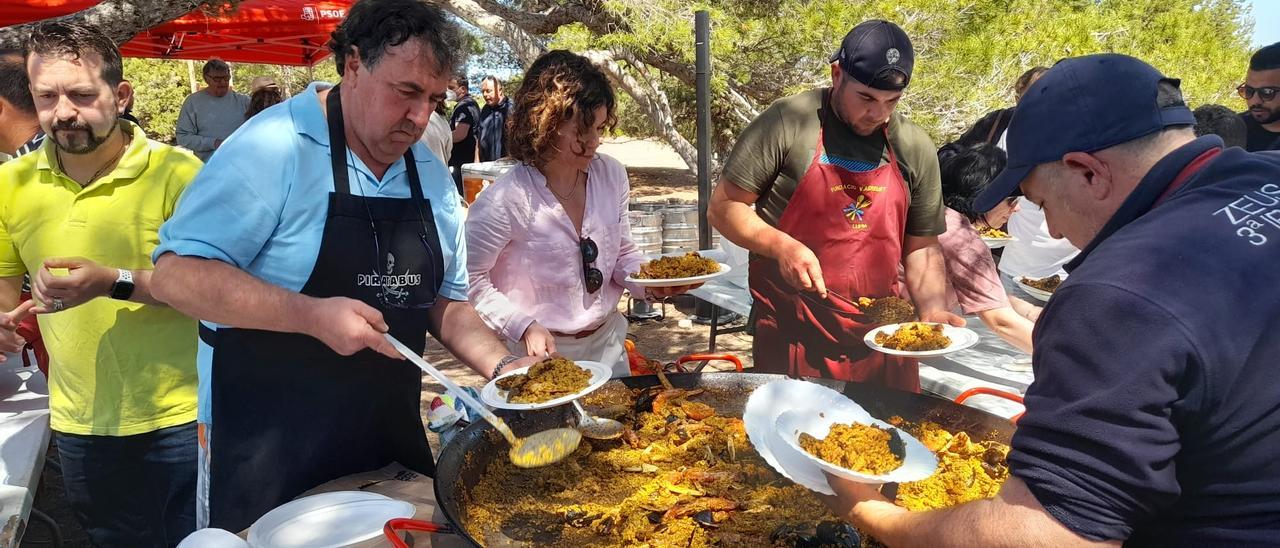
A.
pixel 678 270
pixel 920 339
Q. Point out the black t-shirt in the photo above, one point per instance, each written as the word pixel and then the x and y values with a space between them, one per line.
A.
pixel 1257 137
pixel 466 112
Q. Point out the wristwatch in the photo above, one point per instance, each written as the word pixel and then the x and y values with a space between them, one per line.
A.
pixel 123 288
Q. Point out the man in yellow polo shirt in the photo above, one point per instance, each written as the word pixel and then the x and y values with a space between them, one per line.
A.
pixel 82 215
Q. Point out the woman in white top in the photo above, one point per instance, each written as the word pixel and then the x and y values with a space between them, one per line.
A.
pixel 548 244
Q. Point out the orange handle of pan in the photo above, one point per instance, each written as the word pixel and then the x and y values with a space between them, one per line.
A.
pixel 991 392
pixel 737 364
pixel 405 524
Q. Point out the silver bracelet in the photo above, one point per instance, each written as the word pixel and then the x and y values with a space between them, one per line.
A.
pixel 505 361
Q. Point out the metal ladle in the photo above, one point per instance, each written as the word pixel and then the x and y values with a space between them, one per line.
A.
pixel 597 428
pixel 541 449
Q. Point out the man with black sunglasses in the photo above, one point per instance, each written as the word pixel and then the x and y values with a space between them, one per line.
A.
pixel 1259 90
pixel 316 229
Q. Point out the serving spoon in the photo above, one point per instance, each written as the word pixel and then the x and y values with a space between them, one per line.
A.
pixel 543 448
pixel 597 428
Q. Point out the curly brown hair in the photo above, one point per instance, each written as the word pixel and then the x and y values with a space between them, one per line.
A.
pixel 557 85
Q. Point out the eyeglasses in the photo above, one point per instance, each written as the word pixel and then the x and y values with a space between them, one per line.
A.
pixel 590 274
pixel 1265 93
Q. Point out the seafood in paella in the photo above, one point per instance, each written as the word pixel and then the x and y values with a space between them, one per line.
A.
pixel 685 474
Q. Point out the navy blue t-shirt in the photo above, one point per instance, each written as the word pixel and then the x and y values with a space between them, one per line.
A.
pixel 1155 413
pixel 467 111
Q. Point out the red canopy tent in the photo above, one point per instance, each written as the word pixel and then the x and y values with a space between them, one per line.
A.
pixel 278 32
pixel 17 12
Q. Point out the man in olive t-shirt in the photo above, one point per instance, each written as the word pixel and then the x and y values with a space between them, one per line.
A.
pixel 831 191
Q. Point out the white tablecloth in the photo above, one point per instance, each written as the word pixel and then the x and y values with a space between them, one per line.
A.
pixel 24 438
pixel 983 365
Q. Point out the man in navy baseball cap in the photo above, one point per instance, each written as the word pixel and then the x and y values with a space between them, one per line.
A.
pixel 1152 419
pixel 1062 113
pixel 832 189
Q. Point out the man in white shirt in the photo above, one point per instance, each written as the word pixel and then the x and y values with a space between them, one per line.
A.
pixel 212 114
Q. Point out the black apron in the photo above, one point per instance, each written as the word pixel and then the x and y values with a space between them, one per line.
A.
pixel 288 412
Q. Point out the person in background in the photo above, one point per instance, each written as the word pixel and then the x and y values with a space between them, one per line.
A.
pixel 549 246
pixel 81 215
pixel 493 120
pixel 1033 252
pixel 438 137
pixel 973 283
pixel 20 134
pixel 466 127
pixel 212 114
pixel 990 128
pixel 1261 91
pixel 264 92
pixel 20 131
pixel 1223 122
pixel 1152 419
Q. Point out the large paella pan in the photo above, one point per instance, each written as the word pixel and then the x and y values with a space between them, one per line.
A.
pixel 685 473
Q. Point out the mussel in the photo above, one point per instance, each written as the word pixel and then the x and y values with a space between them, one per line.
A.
pixel 579 518
pixel 706 518
pixel 838 534
pixel 793 535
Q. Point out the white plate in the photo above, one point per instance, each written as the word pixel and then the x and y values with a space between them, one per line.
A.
pixel 677 282
pixel 1037 293
pixel 341 518
pixel 760 415
pixel 994 243
pixel 492 396
pixel 961 338
pixel 918 463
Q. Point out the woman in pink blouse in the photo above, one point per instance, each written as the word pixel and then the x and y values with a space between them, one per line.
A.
pixel 548 244
pixel 973 282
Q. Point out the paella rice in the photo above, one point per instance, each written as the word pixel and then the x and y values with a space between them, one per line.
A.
pixel 967 471
pixel 858 447
pixel 1049 284
pixel 683 474
pixel 914 337
pixel 989 232
pixel 684 266
pixel 546 380
pixel 887 310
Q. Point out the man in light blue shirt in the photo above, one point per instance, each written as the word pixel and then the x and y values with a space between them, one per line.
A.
pixel 320 226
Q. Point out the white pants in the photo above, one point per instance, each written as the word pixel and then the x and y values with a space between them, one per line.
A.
pixel 604 346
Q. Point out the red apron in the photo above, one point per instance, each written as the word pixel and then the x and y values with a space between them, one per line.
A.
pixel 854 222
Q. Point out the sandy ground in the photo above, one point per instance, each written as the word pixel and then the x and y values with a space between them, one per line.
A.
pixel 657 174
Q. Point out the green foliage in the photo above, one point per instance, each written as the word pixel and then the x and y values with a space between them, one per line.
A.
pixel 969 52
